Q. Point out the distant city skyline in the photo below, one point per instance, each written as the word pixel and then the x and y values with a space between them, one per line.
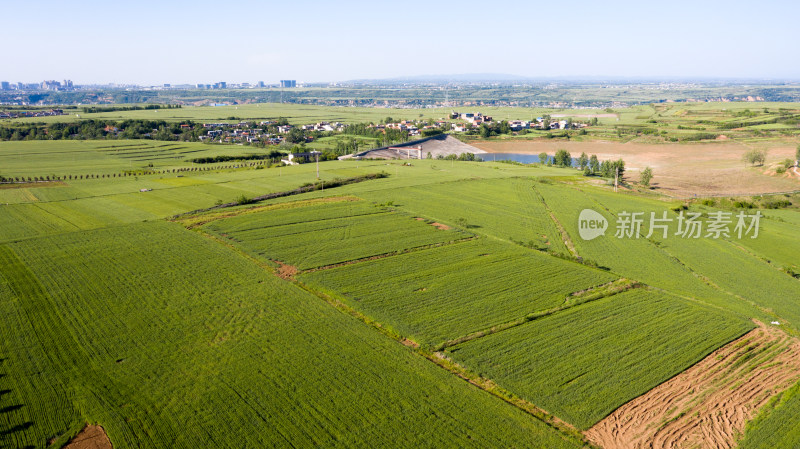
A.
pixel 150 43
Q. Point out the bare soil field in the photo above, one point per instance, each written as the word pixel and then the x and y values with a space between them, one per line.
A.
pixel 708 405
pixel 680 170
pixel 91 437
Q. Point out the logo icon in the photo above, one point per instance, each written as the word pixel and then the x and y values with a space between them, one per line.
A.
pixel 591 224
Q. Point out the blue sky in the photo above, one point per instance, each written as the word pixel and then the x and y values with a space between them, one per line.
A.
pixel 149 42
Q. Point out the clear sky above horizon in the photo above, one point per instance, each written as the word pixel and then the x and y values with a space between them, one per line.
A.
pixel 149 42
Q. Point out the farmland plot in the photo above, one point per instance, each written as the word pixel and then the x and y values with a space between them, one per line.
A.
pixel 336 239
pixel 583 363
pixel 635 258
pixel 100 327
pixel 729 264
pixel 508 209
pixel 448 292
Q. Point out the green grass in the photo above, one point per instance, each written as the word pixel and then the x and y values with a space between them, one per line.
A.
pixel 169 339
pixel 776 425
pixel 583 363
pixel 509 209
pixel 637 259
pixel 732 265
pixel 448 292
pixel 98 157
pixel 100 326
pixel 352 232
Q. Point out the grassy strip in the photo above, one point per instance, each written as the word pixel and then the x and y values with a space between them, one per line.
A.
pixel 390 254
pixel 193 221
pixel 577 298
pixel 305 188
pixel 564 235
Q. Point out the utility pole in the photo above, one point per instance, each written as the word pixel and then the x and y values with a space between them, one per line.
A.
pixel 317 154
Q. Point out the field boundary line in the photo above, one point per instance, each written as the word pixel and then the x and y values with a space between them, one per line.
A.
pixel 390 254
pixel 704 279
pixel 302 189
pixel 566 430
pixel 212 217
pixel 564 235
pixel 489 386
pixel 583 297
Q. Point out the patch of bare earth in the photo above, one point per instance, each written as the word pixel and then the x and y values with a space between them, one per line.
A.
pixel 443 227
pixel 410 343
pixel 91 437
pixel 681 170
pixel 708 405
pixel 286 271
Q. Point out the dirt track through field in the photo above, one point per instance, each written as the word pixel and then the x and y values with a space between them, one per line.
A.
pixel 708 405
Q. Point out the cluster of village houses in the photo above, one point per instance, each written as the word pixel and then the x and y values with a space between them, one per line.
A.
pixel 42 113
pixel 244 131
pixel 475 120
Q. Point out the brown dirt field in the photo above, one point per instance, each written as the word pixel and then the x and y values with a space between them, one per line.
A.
pixel 91 437
pixel 680 170
pixel 708 405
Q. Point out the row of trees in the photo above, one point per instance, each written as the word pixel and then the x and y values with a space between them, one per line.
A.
pixel 100 129
pixel 147 171
pixel 589 165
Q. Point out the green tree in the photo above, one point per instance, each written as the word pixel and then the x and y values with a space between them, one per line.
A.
pixel 504 128
pixel 755 156
pixel 646 176
pixel 542 158
pixel 618 167
pixel 295 135
pixel 562 158
pixel 583 161
pixel 594 164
